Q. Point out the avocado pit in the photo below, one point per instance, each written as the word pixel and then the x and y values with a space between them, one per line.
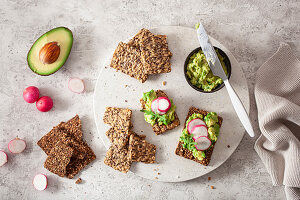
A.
pixel 49 53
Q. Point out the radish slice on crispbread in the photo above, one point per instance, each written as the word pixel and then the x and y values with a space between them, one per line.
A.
pixel 193 123
pixel 199 130
pixel 164 104
pixel 203 143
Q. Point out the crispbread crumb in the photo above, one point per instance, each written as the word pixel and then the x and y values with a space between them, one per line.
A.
pixel 79 180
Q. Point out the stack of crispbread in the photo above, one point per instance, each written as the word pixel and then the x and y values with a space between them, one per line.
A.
pixel 67 152
pixel 126 146
pixel 143 55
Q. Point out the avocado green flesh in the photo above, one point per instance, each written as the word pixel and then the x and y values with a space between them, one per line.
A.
pixel 200 74
pixel 169 116
pixel 64 37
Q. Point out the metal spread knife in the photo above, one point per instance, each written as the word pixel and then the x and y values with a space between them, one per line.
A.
pixel 217 70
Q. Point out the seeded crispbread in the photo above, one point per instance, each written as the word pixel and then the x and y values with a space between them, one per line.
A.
pixel 58 159
pixel 76 164
pixel 155 54
pixel 73 126
pixel 119 138
pixel 183 152
pixel 139 37
pixel 140 150
pixel 118 159
pixel 70 135
pixel 48 141
pixel 119 118
pixel 127 59
pixel 159 129
pixel 81 149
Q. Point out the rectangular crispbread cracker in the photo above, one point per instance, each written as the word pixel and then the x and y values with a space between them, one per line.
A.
pixel 159 129
pixel 48 141
pixel 155 54
pixel 77 164
pixel 127 59
pixel 58 159
pixel 140 150
pixel 180 151
pixel 119 118
pixel 119 138
pixel 118 159
pixel 139 37
pixel 73 127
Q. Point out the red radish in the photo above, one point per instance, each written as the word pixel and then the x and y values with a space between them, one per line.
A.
pixel 203 143
pixel 31 94
pixel 16 145
pixel 199 130
pixel 40 182
pixel 164 104
pixel 44 104
pixel 193 123
pixel 76 85
pixel 154 107
pixel 3 158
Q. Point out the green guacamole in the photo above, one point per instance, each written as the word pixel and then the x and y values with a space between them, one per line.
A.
pixel 153 118
pixel 200 74
pixel 211 120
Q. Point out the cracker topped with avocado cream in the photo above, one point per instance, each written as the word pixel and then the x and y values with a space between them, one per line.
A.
pixel 159 111
pixel 199 135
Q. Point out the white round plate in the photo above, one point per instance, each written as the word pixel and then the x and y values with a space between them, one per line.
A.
pixel 115 89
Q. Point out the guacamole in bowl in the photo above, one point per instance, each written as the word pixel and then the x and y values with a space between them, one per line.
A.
pixel 198 73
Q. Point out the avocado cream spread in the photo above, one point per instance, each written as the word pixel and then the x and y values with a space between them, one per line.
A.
pixel 152 117
pixel 211 120
pixel 200 73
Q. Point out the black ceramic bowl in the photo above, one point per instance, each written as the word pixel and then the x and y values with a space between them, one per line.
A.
pixel 227 64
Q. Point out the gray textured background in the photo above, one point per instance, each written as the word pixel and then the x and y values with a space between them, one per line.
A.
pixel 250 29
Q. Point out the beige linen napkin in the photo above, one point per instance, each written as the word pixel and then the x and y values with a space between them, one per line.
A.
pixel 277 94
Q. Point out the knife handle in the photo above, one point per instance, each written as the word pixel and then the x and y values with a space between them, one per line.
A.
pixel 239 109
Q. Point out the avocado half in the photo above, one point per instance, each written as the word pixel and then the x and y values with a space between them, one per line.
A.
pixel 64 38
